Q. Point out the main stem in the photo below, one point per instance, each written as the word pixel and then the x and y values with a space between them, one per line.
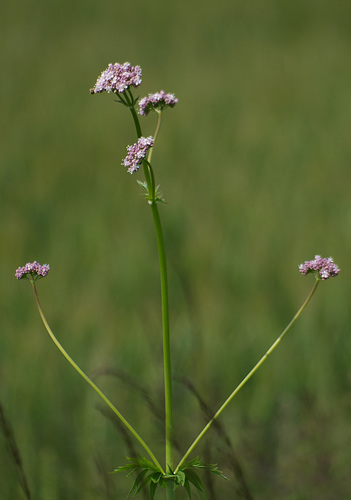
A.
pixel 91 383
pixel 166 339
pixel 164 300
pixel 170 493
pixel 248 376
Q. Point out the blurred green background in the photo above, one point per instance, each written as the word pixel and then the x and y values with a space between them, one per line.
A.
pixel 254 163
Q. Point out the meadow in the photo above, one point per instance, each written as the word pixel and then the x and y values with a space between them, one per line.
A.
pixel 254 164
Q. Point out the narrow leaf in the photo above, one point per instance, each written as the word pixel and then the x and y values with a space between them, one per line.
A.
pixel 187 488
pixel 144 482
pixel 136 485
pixel 194 479
pixel 153 488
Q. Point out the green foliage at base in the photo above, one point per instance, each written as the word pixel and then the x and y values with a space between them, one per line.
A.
pixel 149 474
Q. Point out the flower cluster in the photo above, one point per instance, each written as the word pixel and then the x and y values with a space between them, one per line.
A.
pixel 136 153
pixel 322 268
pixel 32 271
pixel 118 78
pixel 157 101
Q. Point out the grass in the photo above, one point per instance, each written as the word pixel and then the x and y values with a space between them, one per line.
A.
pixel 254 164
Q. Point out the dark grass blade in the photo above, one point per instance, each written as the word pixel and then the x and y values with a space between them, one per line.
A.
pixel 14 452
pixel 209 479
pixel 231 458
pixel 128 380
pixel 123 432
pixel 145 393
pixel 107 484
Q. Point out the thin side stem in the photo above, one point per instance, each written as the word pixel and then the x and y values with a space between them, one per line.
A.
pixel 248 376
pixel 91 383
pixel 166 339
pixel 155 134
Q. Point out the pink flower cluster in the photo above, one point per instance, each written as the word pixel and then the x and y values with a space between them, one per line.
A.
pixel 33 269
pixel 136 153
pixel 157 101
pixel 322 268
pixel 118 78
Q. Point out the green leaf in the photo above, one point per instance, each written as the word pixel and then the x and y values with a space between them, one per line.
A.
pixel 191 463
pixel 137 463
pixel 142 184
pixel 146 480
pixel 146 471
pixel 158 195
pixel 138 483
pixel 194 479
pixel 153 488
pixel 156 477
pixel 187 487
pixel 219 473
pixel 199 464
pixel 180 477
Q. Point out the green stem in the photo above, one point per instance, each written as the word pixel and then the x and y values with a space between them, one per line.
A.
pixel 170 493
pixel 166 339
pixel 248 376
pixel 148 172
pixel 155 135
pixel 91 383
pixel 150 182
pixel 136 121
pixel 164 297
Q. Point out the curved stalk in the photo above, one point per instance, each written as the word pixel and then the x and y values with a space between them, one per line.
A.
pixel 92 384
pixel 155 134
pixel 248 376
